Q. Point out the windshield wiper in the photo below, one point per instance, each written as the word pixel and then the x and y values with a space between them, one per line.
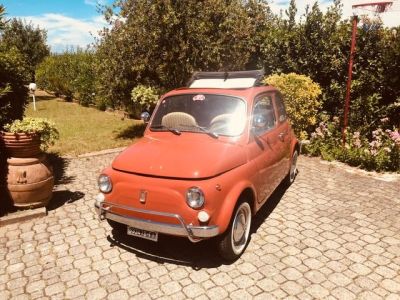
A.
pixel 173 130
pixel 202 129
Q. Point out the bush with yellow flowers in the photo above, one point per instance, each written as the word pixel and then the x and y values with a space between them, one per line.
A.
pixel 301 96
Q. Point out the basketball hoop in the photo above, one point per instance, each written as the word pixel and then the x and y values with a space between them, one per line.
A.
pixel 363 9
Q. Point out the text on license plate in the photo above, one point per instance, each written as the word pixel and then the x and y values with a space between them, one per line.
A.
pixel 149 235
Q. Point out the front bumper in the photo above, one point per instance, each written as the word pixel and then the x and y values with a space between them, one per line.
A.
pixel 193 233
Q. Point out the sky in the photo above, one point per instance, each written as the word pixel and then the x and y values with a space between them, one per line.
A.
pixel 72 23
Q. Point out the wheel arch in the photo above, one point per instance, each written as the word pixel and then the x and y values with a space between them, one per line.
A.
pixel 241 191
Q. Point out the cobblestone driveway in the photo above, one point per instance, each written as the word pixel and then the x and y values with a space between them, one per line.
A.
pixel 332 234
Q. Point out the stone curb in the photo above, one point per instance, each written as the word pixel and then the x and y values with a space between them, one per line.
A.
pixel 23 215
pixel 96 153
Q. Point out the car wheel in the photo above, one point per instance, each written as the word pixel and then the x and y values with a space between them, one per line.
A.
pixel 117 227
pixel 293 168
pixel 235 239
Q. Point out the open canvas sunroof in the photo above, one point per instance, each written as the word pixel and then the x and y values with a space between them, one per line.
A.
pixel 226 80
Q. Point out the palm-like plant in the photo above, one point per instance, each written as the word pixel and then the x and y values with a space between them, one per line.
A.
pixel 2 13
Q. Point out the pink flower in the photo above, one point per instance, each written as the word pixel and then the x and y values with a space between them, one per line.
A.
pixel 395 136
pixel 387 149
pixel 357 143
pixel 384 120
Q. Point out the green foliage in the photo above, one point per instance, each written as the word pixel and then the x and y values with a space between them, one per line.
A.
pixel 29 40
pixel 45 128
pixel 161 43
pixel 13 93
pixel 2 21
pixel 380 152
pixel 144 96
pixel 70 74
pixel 301 97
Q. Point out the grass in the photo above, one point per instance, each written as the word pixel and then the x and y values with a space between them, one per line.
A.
pixel 84 129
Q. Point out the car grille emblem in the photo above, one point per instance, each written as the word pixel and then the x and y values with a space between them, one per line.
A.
pixel 142 196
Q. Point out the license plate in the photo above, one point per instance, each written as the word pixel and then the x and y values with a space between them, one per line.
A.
pixel 148 235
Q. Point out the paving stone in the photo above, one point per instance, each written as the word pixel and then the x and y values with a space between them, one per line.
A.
pixel 170 288
pixel 75 291
pixel 193 290
pixel 332 235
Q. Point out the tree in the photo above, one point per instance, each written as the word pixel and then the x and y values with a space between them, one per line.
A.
pixel 70 74
pixel 13 93
pixel 161 43
pixel 29 40
pixel 2 21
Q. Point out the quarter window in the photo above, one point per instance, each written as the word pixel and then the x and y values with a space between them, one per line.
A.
pixel 281 107
pixel 264 113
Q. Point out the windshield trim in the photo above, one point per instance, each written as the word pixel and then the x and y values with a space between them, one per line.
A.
pixel 199 131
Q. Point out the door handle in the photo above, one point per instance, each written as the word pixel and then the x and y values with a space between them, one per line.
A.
pixel 282 135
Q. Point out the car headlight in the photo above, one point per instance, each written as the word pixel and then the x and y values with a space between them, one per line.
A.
pixel 105 184
pixel 195 197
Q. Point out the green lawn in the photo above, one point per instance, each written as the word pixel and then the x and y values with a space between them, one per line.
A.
pixel 83 129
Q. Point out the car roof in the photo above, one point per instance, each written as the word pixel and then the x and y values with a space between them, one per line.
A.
pixel 244 93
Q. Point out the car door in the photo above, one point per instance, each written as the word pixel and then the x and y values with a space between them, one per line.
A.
pixel 265 145
pixel 283 128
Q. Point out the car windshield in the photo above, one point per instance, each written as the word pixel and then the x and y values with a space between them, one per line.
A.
pixel 206 113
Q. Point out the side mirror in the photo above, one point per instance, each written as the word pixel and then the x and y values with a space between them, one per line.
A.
pixel 145 116
pixel 259 121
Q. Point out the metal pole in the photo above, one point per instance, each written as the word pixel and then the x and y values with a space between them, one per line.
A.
pixel 348 87
pixel 34 101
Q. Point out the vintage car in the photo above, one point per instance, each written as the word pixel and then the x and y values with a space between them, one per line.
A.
pixel 211 156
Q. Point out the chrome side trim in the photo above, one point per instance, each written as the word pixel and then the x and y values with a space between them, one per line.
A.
pixel 194 233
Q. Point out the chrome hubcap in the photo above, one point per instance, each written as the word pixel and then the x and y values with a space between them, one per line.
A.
pixel 241 227
pixel 293 167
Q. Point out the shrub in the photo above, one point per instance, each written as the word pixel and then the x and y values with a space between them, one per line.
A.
pixel 53 75
pixel 301 98
pixel 143 97
pixel 380 150
pixel 47 129
pixel 13 93
pixel 70 74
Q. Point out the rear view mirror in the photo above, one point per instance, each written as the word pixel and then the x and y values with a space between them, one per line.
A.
pixel 145 116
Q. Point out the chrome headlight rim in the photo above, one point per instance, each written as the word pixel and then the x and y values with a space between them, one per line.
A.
pixel 195 203
pixel 104 183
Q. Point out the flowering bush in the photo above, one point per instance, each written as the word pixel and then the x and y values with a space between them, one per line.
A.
pixel 145 96
pixel 302 100
pixel 380 152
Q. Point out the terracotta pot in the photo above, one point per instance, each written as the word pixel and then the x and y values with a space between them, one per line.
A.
pixel 30 181
pixel 21 144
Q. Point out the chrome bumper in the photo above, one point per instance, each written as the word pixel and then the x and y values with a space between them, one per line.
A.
pixel 193 233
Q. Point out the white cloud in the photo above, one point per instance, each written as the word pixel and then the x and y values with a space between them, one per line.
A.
pixel 95 2
pixel 390 18
pixel 64 32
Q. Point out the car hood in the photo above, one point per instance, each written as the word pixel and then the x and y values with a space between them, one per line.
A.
pixel 187 156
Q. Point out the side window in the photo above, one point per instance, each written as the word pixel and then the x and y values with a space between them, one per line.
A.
pixel 280 107
pixel 263 114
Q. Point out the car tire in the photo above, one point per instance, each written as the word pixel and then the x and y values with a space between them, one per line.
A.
pixel 117 227
pixel 235 239
pixel 290 177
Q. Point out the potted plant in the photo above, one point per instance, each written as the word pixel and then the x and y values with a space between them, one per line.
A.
pixel 29 136
pixel 30 177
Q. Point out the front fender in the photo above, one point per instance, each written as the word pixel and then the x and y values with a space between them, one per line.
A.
pixel 229 203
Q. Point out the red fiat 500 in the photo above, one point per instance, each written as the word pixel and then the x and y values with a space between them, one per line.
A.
pixel 210 157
